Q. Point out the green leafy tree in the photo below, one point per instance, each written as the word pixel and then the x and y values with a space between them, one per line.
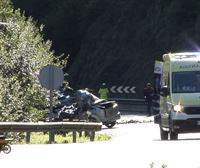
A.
pixel 23 53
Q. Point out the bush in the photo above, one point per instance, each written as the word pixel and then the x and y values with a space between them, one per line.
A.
pixel 23 52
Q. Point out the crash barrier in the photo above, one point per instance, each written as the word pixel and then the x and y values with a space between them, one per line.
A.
pixel 135 105
pixel 130 105
pixel 28 127
pixel 125 104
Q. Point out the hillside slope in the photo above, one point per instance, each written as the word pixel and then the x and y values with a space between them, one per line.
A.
pixel 122 44
pixel 117 41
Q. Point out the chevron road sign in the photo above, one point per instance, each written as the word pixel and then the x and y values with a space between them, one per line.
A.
pixel 123 89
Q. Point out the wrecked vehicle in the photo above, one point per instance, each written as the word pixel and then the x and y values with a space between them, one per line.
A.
pixel 88 107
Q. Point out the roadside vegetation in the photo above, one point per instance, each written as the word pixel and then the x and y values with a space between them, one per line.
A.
pixel 23 52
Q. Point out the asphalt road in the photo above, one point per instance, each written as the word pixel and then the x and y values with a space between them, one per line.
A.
pixel 133 145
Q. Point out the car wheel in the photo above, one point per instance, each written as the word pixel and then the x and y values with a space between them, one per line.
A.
pixel 110 125
pixel 6 149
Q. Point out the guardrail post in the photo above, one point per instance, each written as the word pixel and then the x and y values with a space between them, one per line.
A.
pixel 92 135
pixel 87 133
pixel 74 136
pixel 51 136
pixel 28 137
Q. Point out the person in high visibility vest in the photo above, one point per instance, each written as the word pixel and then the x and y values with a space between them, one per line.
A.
pixel 103 92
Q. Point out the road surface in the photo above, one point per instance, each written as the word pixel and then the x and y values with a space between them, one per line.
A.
pixel 132 146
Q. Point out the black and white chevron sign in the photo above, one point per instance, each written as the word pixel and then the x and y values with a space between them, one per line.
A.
pixel 123 89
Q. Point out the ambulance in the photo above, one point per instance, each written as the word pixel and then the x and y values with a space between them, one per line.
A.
pixel 179 95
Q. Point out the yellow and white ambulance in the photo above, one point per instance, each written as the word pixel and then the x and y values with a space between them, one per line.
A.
pixel 179 95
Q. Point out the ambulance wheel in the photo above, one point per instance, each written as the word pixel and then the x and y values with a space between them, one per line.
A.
pixel 173 136
pixel 163 134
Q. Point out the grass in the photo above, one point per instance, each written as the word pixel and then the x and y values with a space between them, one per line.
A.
pixel 42 138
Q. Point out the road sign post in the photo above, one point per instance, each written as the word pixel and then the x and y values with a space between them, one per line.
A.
pixel 51 77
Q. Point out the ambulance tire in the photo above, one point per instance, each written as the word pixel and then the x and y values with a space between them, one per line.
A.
pixel 163 134
pixel 173 136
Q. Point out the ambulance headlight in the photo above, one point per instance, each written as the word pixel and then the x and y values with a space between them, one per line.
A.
pixel 178 108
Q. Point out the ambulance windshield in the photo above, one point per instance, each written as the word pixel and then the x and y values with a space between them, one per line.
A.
pixel 186 82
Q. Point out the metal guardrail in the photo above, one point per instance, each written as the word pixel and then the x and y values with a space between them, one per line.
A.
pixel 128 104
pixel 46 126
pixel 131 105
pixel 51 126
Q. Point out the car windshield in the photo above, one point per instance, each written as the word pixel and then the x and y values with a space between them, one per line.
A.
pixel 186 82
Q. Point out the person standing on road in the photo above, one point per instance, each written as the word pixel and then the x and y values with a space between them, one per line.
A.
pixel 148 96
pixel 103 91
